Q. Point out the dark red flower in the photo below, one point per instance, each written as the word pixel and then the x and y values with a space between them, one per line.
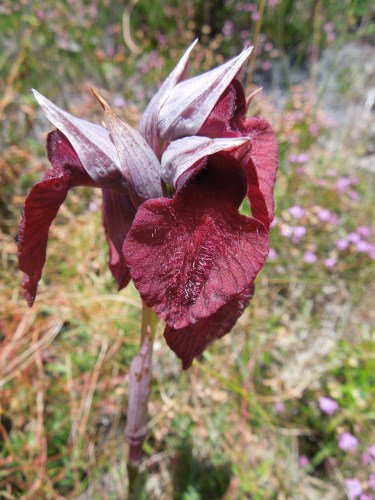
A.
pixel 193 257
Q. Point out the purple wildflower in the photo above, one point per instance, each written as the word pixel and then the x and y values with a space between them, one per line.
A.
pixel 296 212
pixel 328 405
pixel 364 231
pixel 353 237
pixel 342 244
pixel 366 458
pixel 309 257
pixel 348 442
pixel 354 487
pixel 279 407
pixel 273 255
pixel 303 461
pixel 298 233
pixel 330 262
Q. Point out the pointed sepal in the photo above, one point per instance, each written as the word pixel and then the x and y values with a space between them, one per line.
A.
pixel 139 164
pixel 91 143
pixel 191 101
pixel 148 126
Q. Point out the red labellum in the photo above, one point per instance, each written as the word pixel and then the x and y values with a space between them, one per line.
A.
pixel 190 255
pixel 191 341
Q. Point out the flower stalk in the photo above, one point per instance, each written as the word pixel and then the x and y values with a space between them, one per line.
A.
pixel 140 375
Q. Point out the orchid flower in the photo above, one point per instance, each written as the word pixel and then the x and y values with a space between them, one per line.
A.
pixel 192 256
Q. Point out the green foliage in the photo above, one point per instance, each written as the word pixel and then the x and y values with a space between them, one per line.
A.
pixel 236 424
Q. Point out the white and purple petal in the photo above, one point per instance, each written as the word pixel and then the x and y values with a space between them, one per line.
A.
pixel 191 101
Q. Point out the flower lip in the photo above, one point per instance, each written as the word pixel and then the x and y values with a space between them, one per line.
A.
pixel 189 255
pixel 191 341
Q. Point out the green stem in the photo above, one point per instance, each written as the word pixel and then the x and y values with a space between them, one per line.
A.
pixel 149 321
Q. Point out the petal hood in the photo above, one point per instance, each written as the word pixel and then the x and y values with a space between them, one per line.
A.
pixel 191 101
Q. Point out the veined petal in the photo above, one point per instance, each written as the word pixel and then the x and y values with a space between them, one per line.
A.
pixel 148 126
pixel 42 205
pixel 138 162
pixel 190 255
pixel 191 341
pixel 260 164
pixel 191 101
pixel 182 158
pixel 118 215
pixel 91 143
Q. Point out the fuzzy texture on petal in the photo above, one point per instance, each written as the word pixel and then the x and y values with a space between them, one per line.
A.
pixel 260 164
pixel 42 205
pixel 190 255
pixel 118 215
pixel 220 122
pixel 191 341
pixel 227 119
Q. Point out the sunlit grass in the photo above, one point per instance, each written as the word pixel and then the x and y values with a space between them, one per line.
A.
pixel 244 421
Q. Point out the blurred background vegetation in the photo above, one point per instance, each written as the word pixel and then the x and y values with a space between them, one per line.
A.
pixel 249 420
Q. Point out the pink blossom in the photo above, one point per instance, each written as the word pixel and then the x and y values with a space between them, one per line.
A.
pixel 300 158
pixel 331 172
pixel 303 461
pixel 227 28
pixel 330 37
pixel 354 487
pixel 309 257
pixel 280 407
pixel 296 212
pixel 366 458
pixel 334 220
pixel 324 215
pixel 371 252
pixel 371 450
pixel 119 102
pixel 273 255
pixel 353 237
pixel 286 231
pixel 348 442
pixel 255 16
pixel 371 481
pixel 363 246
pixel 266 65
pixel 273 3
pixel 365 496
pixel 163 40
pixel 298 233
pixel 314 129
pixel 328 27
pixel 364 231
pixel 328 405
pixel 354 195
pixel 342 183
pixel 330 262
pixel 268 46
pixel 274 222
pixel 342 244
